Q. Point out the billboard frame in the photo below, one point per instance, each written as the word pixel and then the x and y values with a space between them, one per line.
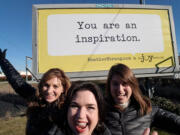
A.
pixel 101 75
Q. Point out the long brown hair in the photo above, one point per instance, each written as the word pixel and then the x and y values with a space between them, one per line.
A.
pixel 127 76
pixel 51 73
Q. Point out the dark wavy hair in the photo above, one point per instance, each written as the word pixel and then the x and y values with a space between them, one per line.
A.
pixel 92 87
pixel 127 76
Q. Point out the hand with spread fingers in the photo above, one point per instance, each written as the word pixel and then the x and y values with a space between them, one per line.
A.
pixel 147 132
pixel 3 53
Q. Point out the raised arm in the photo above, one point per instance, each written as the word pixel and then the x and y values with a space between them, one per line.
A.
pixel 14 78
pixel 166 120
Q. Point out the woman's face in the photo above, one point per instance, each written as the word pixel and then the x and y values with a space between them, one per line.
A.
pixel 52 89
pixel 83 113
pixel 120 91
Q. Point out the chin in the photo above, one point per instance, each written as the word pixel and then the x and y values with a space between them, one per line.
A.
pixel 122 102
pixel 50 100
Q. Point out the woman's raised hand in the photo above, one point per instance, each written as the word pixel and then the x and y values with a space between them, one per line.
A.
pixel 147 132
pixel 3 54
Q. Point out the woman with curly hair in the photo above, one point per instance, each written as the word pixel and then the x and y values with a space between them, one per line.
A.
pixel 45 103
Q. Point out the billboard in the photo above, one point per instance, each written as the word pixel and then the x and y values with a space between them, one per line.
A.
pixel 86 40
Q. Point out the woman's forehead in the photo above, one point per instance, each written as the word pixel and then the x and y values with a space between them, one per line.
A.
pixel 85 96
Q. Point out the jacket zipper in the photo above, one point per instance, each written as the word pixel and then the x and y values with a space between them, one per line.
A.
pixel 122 124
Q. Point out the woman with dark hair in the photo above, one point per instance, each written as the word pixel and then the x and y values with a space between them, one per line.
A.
pixel 129 112
pixel 44 103
pixel 84 111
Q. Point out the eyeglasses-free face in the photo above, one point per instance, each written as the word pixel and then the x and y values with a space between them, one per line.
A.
pixel 120 91
pixel 52 89
pixel 83 113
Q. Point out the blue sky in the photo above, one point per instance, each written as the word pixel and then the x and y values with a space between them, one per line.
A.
pixel 16 24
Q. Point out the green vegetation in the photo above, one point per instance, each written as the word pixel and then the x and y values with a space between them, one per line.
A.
pixel 162 132
pixel 166 104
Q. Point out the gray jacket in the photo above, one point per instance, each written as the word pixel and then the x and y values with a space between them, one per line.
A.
pixel 129 122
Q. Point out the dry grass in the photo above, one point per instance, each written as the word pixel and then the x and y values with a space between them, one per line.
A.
pixel 8 109
pixel 6 88
pixel 11 105
pixel 13 126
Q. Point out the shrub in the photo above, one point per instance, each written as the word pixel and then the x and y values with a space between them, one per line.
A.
pixel 166 104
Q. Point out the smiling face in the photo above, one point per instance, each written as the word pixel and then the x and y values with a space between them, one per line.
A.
pixel 83 113
pixel 120 91
pixel 52 89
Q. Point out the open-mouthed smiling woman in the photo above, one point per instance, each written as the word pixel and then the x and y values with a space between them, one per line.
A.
pixel 84 111
pixel 44 103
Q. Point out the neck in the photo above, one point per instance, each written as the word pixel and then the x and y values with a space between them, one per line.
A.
pixel 124 105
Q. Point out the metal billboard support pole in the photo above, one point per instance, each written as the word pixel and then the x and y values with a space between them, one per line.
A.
pixel 142 1
pixel 27 69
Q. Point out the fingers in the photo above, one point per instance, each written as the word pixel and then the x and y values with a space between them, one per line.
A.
pixel 146 131
pixel 154 133
pixel 4 50
pixel 4 53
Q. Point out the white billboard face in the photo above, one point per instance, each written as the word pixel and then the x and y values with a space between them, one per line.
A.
pixel 82 34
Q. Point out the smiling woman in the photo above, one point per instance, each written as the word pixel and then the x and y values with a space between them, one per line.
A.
pixel 44 103
pixel 52 85
pixel 52 89
pixel 129 112
pixel 84 111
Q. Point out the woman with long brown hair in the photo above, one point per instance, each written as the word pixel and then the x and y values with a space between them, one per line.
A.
pixel 44 103
pixel 129 112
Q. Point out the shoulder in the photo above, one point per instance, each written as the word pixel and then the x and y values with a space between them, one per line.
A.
pixel 164 114
pixel 103 131
pixel 106 132
pixel 55 131
pixel 158 110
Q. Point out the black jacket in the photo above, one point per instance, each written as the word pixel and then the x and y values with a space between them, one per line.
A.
pixel 14 78
pixel 39 118
pixel 129 122
pixel 65 130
